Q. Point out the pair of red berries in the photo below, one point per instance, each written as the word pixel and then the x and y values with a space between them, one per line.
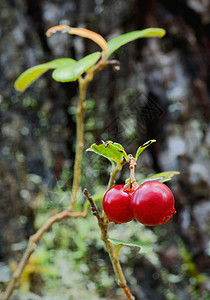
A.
pixel 152 203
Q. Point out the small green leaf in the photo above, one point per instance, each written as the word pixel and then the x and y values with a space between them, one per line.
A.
pixel 32 74
pixel 144 146
pixel 144 247
pixel 161 177
pixel 123 39
pixel 112 151
pixel 66 74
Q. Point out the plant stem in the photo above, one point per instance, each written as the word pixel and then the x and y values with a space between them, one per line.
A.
pixel 83 83
pixel 103 225
pixel 115 262
pixel 33 241
pixel 132 163
pixel 115 171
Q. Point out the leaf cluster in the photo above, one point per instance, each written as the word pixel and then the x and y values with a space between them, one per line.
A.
pixel 68 69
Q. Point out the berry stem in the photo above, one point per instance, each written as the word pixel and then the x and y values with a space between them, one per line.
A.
pixel 132 184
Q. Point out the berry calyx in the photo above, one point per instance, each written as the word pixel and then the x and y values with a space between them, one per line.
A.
pixel 116 204
pixel 152 203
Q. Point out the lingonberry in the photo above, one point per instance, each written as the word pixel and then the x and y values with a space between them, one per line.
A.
pixel 116 204
pixel 152 203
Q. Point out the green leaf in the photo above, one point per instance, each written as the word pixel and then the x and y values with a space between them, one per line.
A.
pixel 123 39
pixel 144 247
pixel 112 151
pixel 32 74
pixel 161 177
pixel 66 74
pixel 144 146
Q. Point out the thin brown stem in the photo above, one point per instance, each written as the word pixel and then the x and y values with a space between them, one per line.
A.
pixel 83 83
pixel 132 163
pixel 94 208
pixel 103 225
pixel 33 241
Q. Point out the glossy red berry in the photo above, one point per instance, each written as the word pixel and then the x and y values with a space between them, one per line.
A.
pixel 152 203
pixel 116 204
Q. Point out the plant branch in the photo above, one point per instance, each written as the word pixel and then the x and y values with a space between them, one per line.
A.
pixel 83 83
pixel 94 208
pixel 33 241
pixel 103 225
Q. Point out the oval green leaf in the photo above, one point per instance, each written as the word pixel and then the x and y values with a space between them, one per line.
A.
pixel 145 248
pixel 66 74
pixel 112 151
pixel 32 74
pixel 123 39
pixel 161 177
pixel 144 146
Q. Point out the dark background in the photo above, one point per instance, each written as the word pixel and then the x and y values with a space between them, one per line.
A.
pixel 161 92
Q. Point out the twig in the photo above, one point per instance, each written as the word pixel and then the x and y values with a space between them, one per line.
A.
pixel 33 240
pixel 110 248
pixel 94 208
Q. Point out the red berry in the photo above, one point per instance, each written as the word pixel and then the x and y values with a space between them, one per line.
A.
pixel 152 203
pixel 116 204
